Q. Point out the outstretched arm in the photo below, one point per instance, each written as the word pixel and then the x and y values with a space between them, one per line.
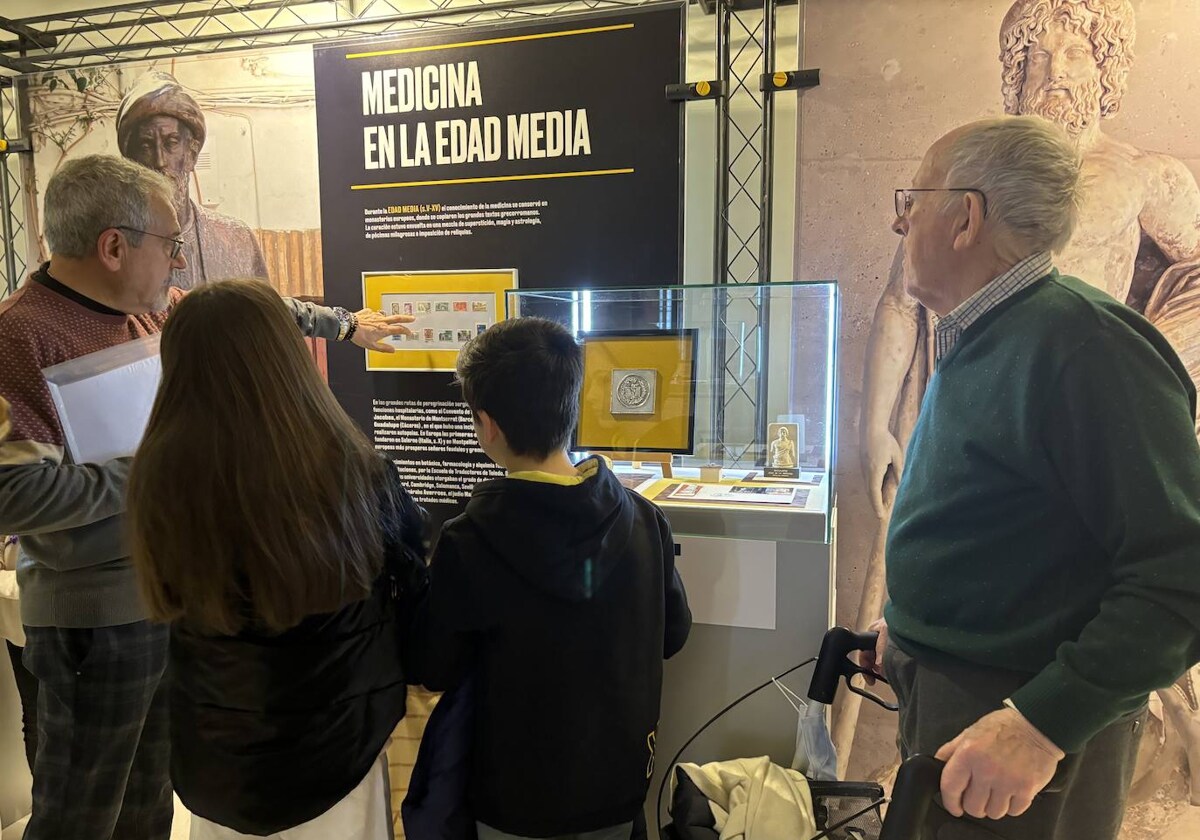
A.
pixel 1171 217
pixel 1171 214
pixel 373 327
pixel 315 320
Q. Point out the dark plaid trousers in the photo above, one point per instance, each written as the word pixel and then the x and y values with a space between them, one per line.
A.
pixel 102 770
pixel 27 691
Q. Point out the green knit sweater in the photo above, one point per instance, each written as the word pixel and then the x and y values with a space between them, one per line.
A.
pixel 1048 520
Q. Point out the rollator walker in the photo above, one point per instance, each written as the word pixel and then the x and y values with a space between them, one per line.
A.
pixel 848 810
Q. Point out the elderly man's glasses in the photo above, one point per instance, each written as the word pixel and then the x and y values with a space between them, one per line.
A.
pixel 904 198
pixel 176 244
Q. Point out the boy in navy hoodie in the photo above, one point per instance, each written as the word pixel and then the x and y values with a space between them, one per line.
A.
pixel 557 591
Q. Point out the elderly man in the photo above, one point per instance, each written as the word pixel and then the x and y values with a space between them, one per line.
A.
pixel 160 126
pixel 1042 550
pixel 1138 238
pixel 101 769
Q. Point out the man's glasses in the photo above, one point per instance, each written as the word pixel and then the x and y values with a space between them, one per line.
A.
pixel 904 198
pixel 176 244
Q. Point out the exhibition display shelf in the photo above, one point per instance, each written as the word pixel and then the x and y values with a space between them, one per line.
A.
pixel 715 402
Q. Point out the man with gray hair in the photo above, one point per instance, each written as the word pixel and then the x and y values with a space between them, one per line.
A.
pixel 1138 239
pixel 101 769
pixel 1042 549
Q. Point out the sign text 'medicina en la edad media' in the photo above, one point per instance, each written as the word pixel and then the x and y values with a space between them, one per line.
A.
pixel 476 139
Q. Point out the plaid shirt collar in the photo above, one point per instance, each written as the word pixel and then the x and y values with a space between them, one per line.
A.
pixel 1020 276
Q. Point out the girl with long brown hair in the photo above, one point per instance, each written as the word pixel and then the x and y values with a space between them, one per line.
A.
pixel 284 552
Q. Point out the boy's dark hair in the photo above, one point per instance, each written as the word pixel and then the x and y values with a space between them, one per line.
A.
pixel 526 374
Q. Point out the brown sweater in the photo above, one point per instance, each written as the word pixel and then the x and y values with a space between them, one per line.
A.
pixel 68 515
pixel 75 570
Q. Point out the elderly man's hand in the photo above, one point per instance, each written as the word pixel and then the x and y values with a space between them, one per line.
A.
pixel 997 766
pixel 374 328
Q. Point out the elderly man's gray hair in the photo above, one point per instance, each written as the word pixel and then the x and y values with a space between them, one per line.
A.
pixel 1028 170
pixel 91 194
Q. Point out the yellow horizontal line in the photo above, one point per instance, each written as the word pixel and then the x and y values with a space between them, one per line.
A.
pixel 511 40
pixel 493 180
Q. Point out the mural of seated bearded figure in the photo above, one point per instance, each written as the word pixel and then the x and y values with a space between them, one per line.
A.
pixel 161 126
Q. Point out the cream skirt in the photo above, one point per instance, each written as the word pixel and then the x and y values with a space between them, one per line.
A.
pixel 365 814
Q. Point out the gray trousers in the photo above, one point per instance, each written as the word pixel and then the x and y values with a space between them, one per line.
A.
pixel 938 701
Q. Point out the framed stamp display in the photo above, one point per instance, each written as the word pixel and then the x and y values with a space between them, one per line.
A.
pixel 450 307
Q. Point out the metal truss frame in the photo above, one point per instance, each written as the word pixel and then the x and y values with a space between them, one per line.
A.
pixel 745 46
pixel 138 30
pixel 148 29
pixel 12 213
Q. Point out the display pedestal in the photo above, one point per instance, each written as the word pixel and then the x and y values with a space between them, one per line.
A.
pixel 720 662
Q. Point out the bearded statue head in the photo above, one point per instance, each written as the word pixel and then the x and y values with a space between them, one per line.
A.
pixel 1067 60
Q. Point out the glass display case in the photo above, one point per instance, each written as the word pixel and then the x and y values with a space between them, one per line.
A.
pixel 716 402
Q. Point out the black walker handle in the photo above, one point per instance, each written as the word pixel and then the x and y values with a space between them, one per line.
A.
pixel 916 812
pixel 912 815
pixel 833 663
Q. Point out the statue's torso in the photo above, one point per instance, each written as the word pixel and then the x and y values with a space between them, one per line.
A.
pixel 783 453
pixel 217 247
pixel 1105 245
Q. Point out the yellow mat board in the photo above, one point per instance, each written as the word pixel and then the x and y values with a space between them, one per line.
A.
pixel 670 428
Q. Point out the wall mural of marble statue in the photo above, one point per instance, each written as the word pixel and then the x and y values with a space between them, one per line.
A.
pixel 1138 239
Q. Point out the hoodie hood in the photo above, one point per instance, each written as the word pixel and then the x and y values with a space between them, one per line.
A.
pixel 562 534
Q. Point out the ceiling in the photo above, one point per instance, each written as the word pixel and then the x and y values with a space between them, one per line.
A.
pixel 93 32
